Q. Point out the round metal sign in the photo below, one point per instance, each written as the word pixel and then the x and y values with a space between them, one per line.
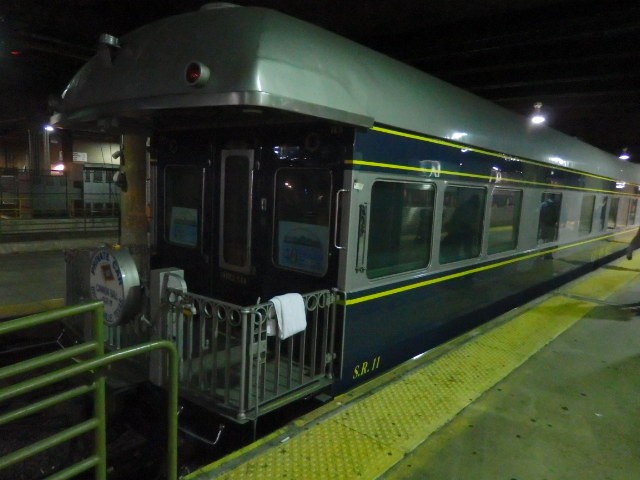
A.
pixel 114 280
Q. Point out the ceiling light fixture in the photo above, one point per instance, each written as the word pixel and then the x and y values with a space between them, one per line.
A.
pixel 537 117
pixel 624 155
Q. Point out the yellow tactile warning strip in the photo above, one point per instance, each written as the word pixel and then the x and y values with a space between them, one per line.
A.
pixel 601 285
pixel 22 309
pixel 367 437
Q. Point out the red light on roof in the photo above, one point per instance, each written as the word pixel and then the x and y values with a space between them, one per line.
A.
pixel 196 74
pixel 16 53
pixel 193 72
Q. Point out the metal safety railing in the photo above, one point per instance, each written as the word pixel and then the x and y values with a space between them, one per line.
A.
pixel 78 361
pixel 229 362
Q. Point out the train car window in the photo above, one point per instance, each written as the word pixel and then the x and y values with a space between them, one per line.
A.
pixel 623 212
pixel 400 227
pixel 586 214
pixel 183 204
pixel 549 219
pixel 236 181
pixel 302 216
pixel 462 223
pixel 505 220
pixel 633 207
pixel 603 213
pixel 613 213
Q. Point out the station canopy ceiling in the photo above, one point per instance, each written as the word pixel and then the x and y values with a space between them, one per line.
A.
pixel 581 59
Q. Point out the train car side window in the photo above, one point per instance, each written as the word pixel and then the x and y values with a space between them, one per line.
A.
pixel 183 205
pixel 399 228
pixel 603 213
pixel 549 219
pixel 462 223
pixel 586 214
pixel 504 221
pixel 235 210
pixel 633 207
pixel 302 219
pixel 613 213
pixel 623 212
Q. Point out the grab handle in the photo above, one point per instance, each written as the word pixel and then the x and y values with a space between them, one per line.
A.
pixel 335 222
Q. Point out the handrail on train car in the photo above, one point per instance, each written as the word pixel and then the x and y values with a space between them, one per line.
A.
pixel 97 423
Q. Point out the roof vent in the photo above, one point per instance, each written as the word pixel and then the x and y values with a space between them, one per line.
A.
pixel 218 6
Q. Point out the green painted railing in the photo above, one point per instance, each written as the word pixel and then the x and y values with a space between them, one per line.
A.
pixel 93 365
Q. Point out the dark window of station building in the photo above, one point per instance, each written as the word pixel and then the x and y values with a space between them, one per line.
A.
pixel 400 227
pixel 549 219
pixel 504 221
pixel 183 204
pixel 586 214
pixel 462 223
pixel 302 219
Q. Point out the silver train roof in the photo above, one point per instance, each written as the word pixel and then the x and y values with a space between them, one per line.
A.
pixel 261 58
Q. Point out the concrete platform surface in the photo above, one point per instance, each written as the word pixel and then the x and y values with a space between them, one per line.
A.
pixel 571 412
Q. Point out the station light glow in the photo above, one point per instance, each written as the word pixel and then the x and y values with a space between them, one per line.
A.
pixel 538 117
pixel 624 155
pixel 458 135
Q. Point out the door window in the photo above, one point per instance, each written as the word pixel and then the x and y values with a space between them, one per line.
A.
pixel 235 210
pixel 302 216
pixel 183 205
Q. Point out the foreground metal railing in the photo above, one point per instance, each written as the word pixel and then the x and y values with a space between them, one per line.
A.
pixel 78 360
pixel 228 361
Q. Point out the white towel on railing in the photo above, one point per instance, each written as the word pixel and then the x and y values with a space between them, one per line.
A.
pixel 291 315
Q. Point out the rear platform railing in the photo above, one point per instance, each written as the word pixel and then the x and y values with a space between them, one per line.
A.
pixel 230 364
pixel 79 362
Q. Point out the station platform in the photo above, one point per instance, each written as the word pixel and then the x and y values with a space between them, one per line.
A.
pixel 33 275
pixel 31 282
pixel 550 390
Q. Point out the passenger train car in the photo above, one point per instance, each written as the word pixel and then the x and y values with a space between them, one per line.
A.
pixel 287 160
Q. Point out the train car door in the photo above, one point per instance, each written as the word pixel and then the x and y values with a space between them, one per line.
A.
pixel 235 274
pixel 276 215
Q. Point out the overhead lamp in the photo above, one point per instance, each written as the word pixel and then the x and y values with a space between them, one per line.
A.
pixel 458 135
pixel 537 117
pixel 48 128
pixel 624 155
